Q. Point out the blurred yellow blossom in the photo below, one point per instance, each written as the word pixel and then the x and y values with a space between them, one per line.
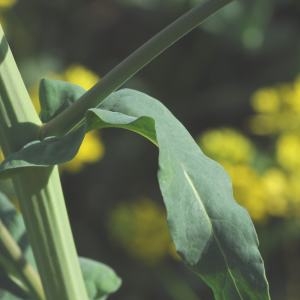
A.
pixel 263 193
pixel 277 109
pixel 7 3
pixel 266 100
pixel 275 187
pixel 226 145
pixel 288 150
pixel 80 75
pixel 290 95
pixel 248 189
pixel 141 228
pixel 92 148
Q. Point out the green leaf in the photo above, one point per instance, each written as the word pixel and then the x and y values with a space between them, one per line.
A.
pixel 50 151
pixel 100 280
pixel 55 96
pixel 214 235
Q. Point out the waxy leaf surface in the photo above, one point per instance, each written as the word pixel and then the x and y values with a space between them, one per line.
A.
pixel 214 235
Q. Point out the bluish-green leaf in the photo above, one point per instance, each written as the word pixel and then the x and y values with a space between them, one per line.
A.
pixel 55 96
pixel 214 235
pixel 212 232
pixel 48 152
pixel 100 280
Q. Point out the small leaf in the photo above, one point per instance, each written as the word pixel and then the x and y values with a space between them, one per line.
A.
pixel 55 96
pixel 100 280
pixel 47 152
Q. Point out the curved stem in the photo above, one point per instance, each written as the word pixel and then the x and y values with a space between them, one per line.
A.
pixel 130 66
pixel 38 190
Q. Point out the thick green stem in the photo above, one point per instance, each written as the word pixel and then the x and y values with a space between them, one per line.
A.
pixel 39 190
pixel 130 66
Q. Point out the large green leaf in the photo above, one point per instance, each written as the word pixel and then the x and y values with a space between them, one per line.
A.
pixel 213 234
pixel 100 280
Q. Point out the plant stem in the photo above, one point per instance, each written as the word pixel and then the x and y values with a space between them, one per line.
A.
pixel 23 270
pixel 130 66
pixel 38 189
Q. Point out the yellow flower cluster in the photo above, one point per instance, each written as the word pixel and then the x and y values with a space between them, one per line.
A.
pixel 7 3
pixel 277 109
pixel 284 126
pixel 264 191
pixel 140 227
pixel 92 148
pixel 227 145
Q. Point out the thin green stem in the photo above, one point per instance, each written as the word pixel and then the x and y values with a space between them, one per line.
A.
pixel 38 190
pixel 23 270
pixel 130 66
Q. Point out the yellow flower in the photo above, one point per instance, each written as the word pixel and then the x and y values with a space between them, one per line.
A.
pixel 277 108
pixel 7 3
pixel 263 124
pixel 141 228
pixel 79 75
pixel 226 145
pixel 248 190
pixel 290 95
pixel 288 150
pixel 266 100
pixel 275 187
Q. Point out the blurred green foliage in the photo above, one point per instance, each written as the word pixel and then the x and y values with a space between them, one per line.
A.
pixel 232 82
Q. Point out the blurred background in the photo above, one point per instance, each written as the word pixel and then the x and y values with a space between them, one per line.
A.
pixel 234 83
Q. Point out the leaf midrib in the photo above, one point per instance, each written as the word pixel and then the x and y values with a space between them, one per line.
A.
pixel 197 196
